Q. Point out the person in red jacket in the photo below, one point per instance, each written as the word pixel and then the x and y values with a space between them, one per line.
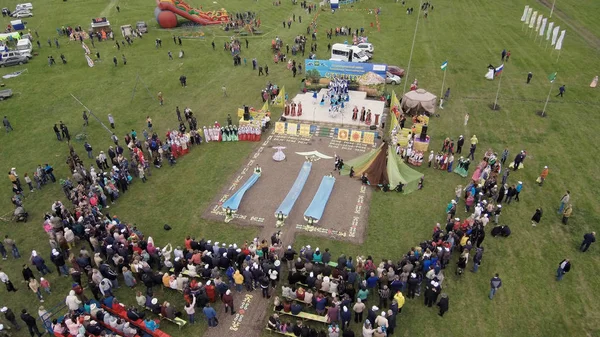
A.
pixel 210 291
pixel 228 301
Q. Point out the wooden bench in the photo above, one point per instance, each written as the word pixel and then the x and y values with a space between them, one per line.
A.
pixel 177 321
pixel 306 316
pixel 281 333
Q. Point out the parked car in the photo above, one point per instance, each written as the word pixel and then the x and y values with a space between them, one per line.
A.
pixel 5 94
pixel 10 53
pixel 396 70
pixel 13 60
pixel 22 14
pixel 368 47
pixel 142 27
pixel 392 79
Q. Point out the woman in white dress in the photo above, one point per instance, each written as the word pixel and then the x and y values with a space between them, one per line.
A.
pixel 279 155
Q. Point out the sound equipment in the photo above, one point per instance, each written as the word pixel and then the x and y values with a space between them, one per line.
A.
pixel 283 119
pixel 246 113
pixel 423 133
pixel 373 127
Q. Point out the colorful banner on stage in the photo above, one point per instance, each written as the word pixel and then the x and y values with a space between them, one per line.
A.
pixel 343 134
pixel 347 70
pixel 240 113
pixel 355 136
pixel 280 99
pixel 305 130
pixel 280 128
pixel 292 129
pixel 369 138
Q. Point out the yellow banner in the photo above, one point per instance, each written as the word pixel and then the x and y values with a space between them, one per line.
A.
pixel 292 128
pixel 394 102
pixel 355 136
pixel 305 130
pixel 280 99
pixel 369 138
pixel 280 128
pixel 265 107
pixel 240 113
pixel 343 134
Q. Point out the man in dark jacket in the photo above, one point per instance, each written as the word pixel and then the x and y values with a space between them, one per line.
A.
pixel 443 304
pixel 10 316
pixel 563 267
pixel 588 239
pixel 477 259
pixel 289 255
pixel 31 323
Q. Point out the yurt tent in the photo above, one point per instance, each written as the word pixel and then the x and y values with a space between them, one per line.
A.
pixel 382 166
pixel 419 101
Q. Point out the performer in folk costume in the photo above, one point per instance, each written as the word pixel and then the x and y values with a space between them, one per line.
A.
pixel 314 96
pixel 286 110
pixel 257 134
pixel 280 219
pixel 293 109
pixel 368 119
pixel 228 215
pixel 322 103
pixel 299 109
pixel 217 132
pixel 362 114
pixel 355 113
pixel 225 132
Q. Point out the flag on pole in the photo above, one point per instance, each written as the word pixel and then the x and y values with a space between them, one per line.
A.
pixel 555 35
pixel 552 77
pixel 539 22
pixel 524 16
pixel 543 27
pixel 444 66
pixel 89 61
pixel 533 18
pixel 560 40
pixel 280 98
pixel 549 31
pixel 85 47
pixel 528 18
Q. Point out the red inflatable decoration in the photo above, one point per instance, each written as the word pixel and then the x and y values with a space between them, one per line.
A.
pixel 167 19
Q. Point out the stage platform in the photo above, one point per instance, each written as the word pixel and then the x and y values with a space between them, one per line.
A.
pixel 316 113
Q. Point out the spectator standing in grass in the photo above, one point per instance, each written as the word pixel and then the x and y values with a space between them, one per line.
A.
pixel 588 239
pixel 563 267
pixel 495 284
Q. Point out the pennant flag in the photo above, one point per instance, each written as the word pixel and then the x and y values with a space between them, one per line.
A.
pixel 543 27
pixel 529 12
pixel 15 74
pixel 89 61
pixel 539 22
pixel 524 16
pixel 560 40
pixel 265 107
pixel 555 35
pixel 85 47
pixel 280 99
pixel 499 69
pixel 533 18
pixel 444 66
pixel 549 31
pixel 552 77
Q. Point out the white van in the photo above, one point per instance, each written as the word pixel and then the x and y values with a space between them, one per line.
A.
pixel 346 53
pixel 24 47
pixel 26 6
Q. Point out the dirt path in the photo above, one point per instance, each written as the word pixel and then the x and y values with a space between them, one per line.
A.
pixel 588 36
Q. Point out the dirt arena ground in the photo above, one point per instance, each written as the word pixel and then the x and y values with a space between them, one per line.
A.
pixel 346 214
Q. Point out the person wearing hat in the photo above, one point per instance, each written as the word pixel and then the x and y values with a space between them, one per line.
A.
pixel 31 323
pixel 228 301
pixel 443 304
pixel 543 176
pixel 432 291
pixel 358 308
pixel 10 316
pixel 6 280
pixel 211 315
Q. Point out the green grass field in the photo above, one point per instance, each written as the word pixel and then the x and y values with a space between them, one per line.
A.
pixel 469 34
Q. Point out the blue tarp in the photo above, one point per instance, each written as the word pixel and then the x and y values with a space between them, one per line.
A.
pixel 294 193
pixel 234 201
pixel 317 205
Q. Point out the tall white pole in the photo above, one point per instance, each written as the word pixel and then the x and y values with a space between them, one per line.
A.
pixel 443 81
pixel 552 10
pixel 498 92
pixel 548 98
pixel 413 46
